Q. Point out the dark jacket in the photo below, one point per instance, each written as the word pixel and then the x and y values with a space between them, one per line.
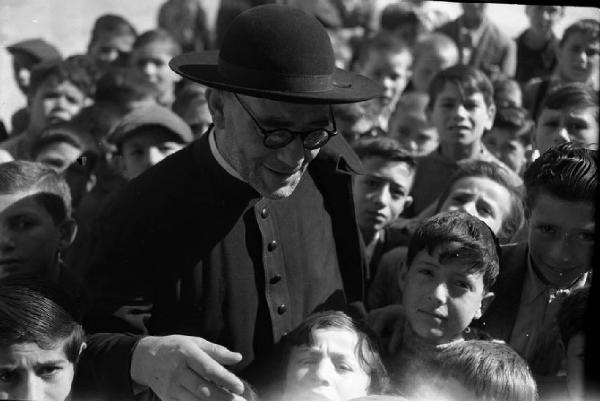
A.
pixel 495 54
pixel 187 248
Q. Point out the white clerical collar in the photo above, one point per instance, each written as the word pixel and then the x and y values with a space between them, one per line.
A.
pixel 217 155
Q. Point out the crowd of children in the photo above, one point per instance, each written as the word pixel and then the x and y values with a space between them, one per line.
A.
pixel 476 206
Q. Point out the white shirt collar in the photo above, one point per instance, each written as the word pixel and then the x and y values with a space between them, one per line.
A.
pixel 220 159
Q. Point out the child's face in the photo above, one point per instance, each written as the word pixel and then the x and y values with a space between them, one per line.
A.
pixel 382 193
pixel 58 155
pixel 505 146
pixel 390 70
pixel 29 237
pixel 441 300
pixel 461 120
pixel 482 198
pixel 414 133
pixel 561 238
pixel 429 64
pixel 108 47
pixel 575 366
pixel 145 149
pixel 28 372
pixel 578 58
pixel 153 61
pixel 578 125
pixel 543 18
pixel 329 370
pixel 54 102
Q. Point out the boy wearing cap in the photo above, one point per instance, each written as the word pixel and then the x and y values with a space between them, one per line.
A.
pixel 147 135
pixel 27 54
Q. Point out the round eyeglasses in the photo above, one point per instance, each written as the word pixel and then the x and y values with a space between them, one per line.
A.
pixel 280 137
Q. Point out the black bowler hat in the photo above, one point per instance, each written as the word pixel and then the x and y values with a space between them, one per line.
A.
pixel 276 52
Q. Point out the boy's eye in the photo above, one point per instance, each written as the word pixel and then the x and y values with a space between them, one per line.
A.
pixel 470 105
pixel 586 236
pixel 49 371
pixel 485 210
pixel 463 284
pixel 23 223
pixel 397 194
pixel 425 272
pixel 7 376
pixel 343 367
pixel 546 229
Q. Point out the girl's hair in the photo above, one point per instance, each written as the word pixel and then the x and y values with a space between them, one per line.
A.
pixel 367 348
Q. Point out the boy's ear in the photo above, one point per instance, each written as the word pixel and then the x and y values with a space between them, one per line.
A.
pixel 215 100
pixel 491 114
pixel 408 201
pixel 67 231
pixel 485 303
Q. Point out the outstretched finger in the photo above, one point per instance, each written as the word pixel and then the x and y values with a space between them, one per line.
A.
pixel 205 366
pixel 196 387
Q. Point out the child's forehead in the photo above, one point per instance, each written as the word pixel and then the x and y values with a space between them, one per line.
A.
pixel 30 353
pixel 25 198
pixel 447 255
pixel 151 133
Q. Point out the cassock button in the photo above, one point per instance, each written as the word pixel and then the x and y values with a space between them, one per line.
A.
pixel 275 279
pixel 264 213
pixel 281 309
pixel 272 246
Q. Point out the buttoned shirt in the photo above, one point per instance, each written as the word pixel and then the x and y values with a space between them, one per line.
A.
pixel 535 334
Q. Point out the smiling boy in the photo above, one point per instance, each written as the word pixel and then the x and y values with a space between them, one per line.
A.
pixel 556 258
pixel 461 107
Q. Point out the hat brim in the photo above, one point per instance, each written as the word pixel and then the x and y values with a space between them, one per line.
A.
pixel 347 87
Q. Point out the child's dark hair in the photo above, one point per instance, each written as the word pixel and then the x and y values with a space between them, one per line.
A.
pixel 123 86
pixel 513 222
pixel 467 79
pixel 39 313
pixel 70 70
pixel 398 15
pixel 587 27
pixel 491 369
pixel 571 315
pixel 567 171
pixel 112 24
pixel 386 148
pixel 157 35
pixel 570 95
pixel 54 194
pixel 458 236
pixel 367 348
pixel 516 121
pixel 503 86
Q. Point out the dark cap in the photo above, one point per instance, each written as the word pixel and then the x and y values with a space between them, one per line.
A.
pixel 153 115
pixel 38 48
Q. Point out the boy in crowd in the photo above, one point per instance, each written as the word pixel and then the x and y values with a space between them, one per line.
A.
pixel 57 92
pixel 461 107
pixel 507 93
pixel 190 104
pixel 481 44
pixel 451 265
pixel 147 135
pixel 556 258
pixel 578 60
pixel 35 217
pixel 381 194
pixel 569 113
pixel 432 53
pixel 410 126
pixel 40 342
pixel 475 370
pixel 510 138
pixel 536 56
pixel 331 356
pixel 400 20
pixel 111 40
pixel 387 60
pixel 482 189
pixel 151 54
pixel 26 55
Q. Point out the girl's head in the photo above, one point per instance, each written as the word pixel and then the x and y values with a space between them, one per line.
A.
pixel 35 218
pixel 331 356
pixel 489 192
